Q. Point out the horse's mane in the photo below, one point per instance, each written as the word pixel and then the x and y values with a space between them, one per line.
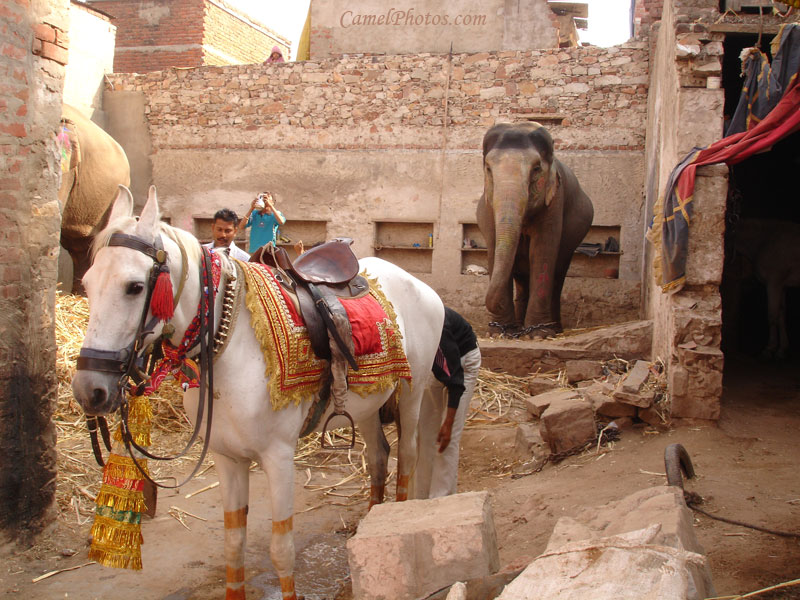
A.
pixel 179 236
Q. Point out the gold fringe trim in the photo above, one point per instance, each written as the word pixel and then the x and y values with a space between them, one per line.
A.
pixel 283 343
pixel 262 327
pixel 117 561
pixel 140 418
pixel 121 500
pixel 122 467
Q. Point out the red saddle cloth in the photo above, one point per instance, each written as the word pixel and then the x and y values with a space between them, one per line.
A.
pixel 293 368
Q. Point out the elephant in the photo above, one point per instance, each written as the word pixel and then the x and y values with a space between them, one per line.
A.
pixel 533 214
pixel 93 165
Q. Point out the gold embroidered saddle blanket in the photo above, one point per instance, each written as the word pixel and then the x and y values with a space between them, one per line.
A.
pixel 293 369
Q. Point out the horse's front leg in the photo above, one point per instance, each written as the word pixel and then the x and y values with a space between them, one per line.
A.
pixel 377 456
pixel 278 464
pixel 234 481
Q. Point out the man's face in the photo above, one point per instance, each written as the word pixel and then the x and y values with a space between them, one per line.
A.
pixel 223 232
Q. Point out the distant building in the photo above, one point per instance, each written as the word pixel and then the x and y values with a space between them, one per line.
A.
pixel 152 36
pixel 437 26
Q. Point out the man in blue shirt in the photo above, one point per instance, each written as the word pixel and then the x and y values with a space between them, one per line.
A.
pixel 263 219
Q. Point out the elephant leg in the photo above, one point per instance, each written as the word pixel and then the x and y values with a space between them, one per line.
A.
pixel 543 255
pixel 521 294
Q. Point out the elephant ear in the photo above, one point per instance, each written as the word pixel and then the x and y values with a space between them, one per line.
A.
pixel 123 204
pixel 553 183
pixel 147 227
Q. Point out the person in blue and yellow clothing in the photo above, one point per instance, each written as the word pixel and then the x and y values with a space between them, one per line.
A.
pixel 263 219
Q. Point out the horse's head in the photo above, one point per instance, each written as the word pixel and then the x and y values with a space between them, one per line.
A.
pixel 128 257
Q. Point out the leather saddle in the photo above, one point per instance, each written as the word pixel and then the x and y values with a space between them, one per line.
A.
pixel 319 277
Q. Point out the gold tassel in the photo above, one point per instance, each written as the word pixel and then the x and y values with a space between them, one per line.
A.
pixel 116 532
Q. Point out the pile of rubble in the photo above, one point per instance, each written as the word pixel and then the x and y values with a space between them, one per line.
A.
pixel 602 396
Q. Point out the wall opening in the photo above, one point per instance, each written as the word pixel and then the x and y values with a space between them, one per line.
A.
pixel 762 188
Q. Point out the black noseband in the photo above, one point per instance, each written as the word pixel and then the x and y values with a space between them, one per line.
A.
pixel 128 361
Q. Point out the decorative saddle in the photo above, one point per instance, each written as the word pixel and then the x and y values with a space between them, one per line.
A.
pixel 319 277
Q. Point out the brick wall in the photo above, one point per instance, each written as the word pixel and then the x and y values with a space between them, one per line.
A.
pixel 184 33
pixel 145 29
pixel 33 51
pixel 231 39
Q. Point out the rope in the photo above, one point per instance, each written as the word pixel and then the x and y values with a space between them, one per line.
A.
pixel 692 500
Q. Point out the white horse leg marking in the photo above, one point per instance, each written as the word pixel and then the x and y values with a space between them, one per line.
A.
pixel 277 462
pixel 235 486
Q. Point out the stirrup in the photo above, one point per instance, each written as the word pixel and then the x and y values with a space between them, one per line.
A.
pixel 352 444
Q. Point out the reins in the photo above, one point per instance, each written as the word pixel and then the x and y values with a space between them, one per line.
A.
pixel 136 362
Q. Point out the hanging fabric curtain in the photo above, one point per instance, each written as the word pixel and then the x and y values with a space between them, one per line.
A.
pixel 670 229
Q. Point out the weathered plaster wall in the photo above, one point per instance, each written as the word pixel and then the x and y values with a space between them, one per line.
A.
pixel 91 56
pixel 358 141
pixel 377 27
pixel 684 114
pixel 34 51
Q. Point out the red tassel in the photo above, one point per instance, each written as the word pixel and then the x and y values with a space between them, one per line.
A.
pixel 161 304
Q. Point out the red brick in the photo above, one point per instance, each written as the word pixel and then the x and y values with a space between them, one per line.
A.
pixel 62 38
pixel 45 32
pixel 14 52
pixel 11 274
pixel 15 129
pixel 55 53
pixel 9 292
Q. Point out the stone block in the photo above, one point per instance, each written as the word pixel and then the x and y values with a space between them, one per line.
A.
pixel 662 504
pixel 581 370
pixel 636 377
pixel 627 566
pixel 641 399
pixel 539 385
pixel 599 396
pixel 651 416
pixel 567 424
pixel 536 405
pixel 529 443
pixel 408 550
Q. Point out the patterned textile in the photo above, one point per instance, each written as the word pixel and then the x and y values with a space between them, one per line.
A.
pixel 765 84
pixel 116 533
pixel 669 232
pixel 175 362
pixel 293 369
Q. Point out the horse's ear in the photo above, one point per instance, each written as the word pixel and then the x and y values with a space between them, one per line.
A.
pixel 123 204
pixel 147 227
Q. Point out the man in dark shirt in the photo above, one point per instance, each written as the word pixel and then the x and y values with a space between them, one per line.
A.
pixel 456 371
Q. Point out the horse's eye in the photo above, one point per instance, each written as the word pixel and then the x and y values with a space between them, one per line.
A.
pixel 134 288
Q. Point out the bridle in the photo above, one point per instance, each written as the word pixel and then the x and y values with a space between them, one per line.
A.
pixel 136 361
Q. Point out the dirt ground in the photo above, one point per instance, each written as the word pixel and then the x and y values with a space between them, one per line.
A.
pixel 747 469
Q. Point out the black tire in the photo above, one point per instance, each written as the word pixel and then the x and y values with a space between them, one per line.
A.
pixel 676 459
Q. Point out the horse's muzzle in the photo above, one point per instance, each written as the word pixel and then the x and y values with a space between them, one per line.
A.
pixel 96 392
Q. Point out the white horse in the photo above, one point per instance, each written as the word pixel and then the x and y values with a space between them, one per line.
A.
pixel 244 426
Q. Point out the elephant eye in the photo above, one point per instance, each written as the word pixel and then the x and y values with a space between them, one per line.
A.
pixel 134 288
pixel 536 170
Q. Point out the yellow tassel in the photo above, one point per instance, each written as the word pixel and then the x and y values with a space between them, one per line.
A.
pixel 122 467
pixel 116 531
pixel 121 500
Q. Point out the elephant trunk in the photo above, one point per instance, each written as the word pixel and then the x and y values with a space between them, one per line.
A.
pixel 510 201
